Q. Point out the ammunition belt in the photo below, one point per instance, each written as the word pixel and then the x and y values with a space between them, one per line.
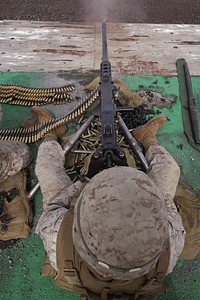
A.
pixel 21 95
pixel 35 133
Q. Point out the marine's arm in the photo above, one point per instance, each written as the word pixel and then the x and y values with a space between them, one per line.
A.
pixel 165 172
pixel 58 192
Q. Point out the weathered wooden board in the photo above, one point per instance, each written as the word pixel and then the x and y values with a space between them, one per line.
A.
pixel 76 47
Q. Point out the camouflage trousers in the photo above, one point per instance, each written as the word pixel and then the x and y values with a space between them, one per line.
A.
pixel 163 170
pixel 14 156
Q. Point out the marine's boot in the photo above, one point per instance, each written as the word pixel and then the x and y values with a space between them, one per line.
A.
pixel 41 116
pixel 146 134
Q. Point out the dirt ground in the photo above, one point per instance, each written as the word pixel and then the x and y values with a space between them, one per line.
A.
pixel 127 11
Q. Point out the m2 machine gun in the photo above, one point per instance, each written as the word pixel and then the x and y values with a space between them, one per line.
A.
pixel 109 153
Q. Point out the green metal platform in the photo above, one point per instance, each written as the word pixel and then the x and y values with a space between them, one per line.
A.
pixel 21 261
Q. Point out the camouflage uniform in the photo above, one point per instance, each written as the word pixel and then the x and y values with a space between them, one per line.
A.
pixel 58 191
pixel 15 208
pixel 14 156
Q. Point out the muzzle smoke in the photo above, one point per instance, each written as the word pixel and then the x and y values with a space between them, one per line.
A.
pixel 116 11
pixel 98 10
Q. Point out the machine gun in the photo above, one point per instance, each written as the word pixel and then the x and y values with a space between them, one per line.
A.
pixel 109 153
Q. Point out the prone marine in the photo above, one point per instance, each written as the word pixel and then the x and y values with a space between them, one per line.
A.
pixel 115 235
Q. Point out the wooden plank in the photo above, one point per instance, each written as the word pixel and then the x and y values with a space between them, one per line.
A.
pixel 149 49
pixel 50 47
pixel 153 48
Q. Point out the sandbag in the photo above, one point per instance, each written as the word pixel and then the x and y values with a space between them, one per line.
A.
pixel 15 209
pixel 188 204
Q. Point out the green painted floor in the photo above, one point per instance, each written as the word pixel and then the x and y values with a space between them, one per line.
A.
pixel 21 262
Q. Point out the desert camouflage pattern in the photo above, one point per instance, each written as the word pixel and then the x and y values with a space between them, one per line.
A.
pixel 58 193
pixel 123 221
pixel 163 171
pixel 14 156
pixel 133 211
pixel 50 171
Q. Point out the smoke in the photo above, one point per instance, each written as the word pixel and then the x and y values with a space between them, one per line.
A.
pixel 122 11
pixel 97 10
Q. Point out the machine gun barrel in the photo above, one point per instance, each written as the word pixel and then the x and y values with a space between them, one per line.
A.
pixel 104 42
pixel 108 107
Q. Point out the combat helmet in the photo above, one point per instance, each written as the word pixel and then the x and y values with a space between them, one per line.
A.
pixel 120 224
